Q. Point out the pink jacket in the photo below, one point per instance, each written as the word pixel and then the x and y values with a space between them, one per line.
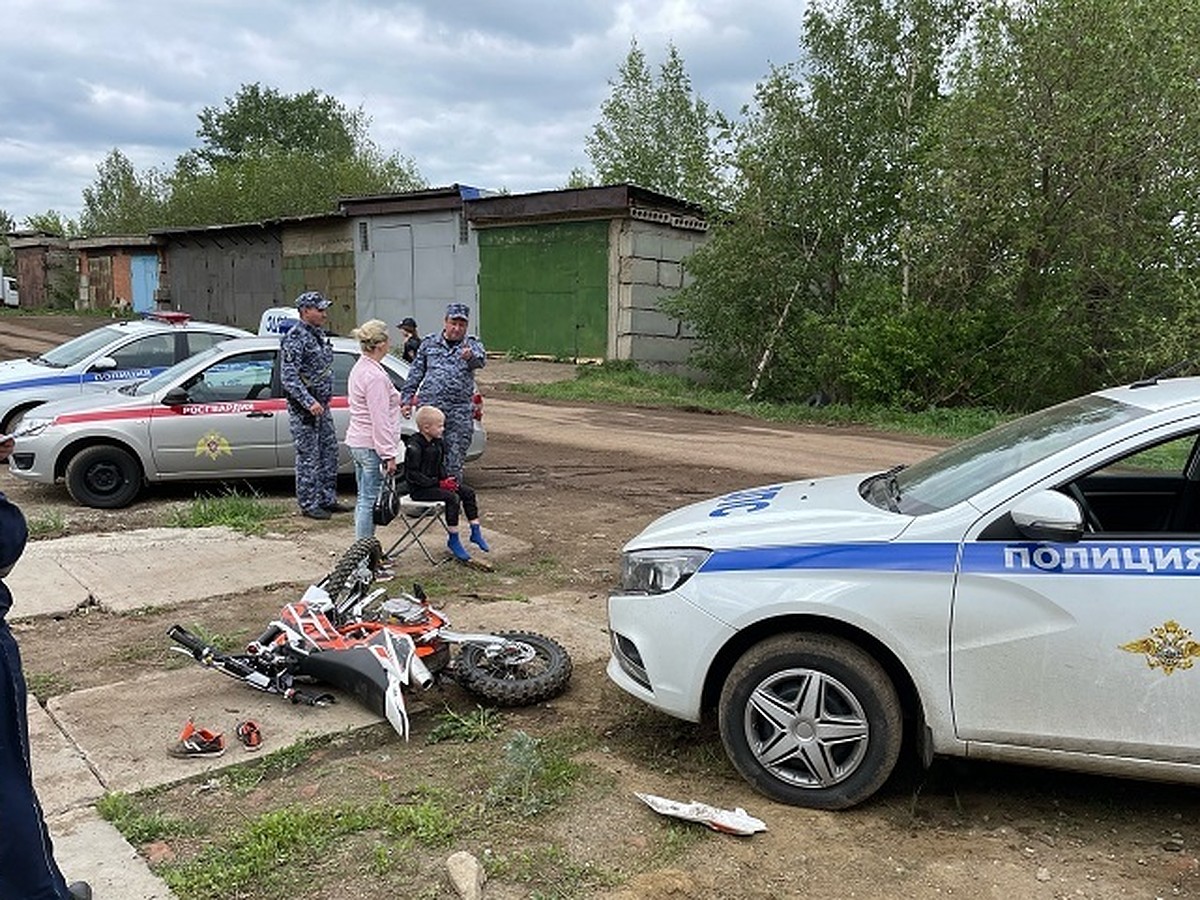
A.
pixel 374 409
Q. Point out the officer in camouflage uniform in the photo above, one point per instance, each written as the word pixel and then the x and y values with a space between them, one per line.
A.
pixel 443 375
pixel 306 371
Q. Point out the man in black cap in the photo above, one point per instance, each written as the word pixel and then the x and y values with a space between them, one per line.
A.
pixel 443 374
pixel 27 867
pixel 306 370
pixel 408 327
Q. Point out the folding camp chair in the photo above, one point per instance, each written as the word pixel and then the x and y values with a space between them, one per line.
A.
pixel 417 517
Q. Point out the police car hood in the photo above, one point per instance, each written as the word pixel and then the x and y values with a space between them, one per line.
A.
pixel 19 369
pixel 105 399
pixel 823 509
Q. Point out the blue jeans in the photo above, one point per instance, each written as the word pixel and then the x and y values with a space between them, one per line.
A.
pixel 368 475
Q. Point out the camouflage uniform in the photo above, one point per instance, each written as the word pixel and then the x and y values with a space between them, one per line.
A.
pixel 307 375
pixel 447 381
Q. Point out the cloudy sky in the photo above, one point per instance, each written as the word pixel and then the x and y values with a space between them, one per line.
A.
pixel 492 93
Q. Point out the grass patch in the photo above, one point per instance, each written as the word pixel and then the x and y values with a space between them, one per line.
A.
pixel 266 850
pixel 482 724
pixel 49 523
pixel 244 778
pixel 44 685
pixel 624 384
pixel 136 826
pixel 246 513
pixel 535 775
pixel 551 865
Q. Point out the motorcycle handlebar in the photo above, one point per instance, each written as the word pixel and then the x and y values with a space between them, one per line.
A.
pixel 182 636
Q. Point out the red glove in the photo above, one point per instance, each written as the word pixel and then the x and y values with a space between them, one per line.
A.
pixel 449 484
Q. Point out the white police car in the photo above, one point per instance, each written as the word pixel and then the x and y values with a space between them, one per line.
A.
pixel 117 353
pixel 1031 595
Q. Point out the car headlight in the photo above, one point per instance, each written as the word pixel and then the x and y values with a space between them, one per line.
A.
pixel 659 571
pixel 32 425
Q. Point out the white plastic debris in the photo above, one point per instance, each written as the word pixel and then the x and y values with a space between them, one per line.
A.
pixel 729 821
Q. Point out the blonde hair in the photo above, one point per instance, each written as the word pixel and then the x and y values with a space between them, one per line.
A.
pixel 370 334
pixel 427 415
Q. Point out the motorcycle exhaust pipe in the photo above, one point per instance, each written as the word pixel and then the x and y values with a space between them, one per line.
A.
pixel 419 673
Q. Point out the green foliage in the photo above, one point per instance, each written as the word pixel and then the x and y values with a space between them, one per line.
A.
pixel 46 523
pixel 267 848
pixel 482 724
pixel 44 685
pixel 654 132
pixel 139 827
pixel 535 776
pixel 247 514
pixel 245 778
pixel 121 201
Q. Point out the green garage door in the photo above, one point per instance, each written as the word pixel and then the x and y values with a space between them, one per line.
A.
pixel 543 289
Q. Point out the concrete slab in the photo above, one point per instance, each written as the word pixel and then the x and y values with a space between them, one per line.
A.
pixel 89 849
pixel 61 775
pixel 156 567
pixel 124 729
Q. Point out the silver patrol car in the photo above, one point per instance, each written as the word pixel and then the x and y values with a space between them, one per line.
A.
pixel 120 352
pixel 218 415
pixel 1031 595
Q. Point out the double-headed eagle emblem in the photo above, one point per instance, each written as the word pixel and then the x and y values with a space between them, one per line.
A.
pixel 213 445
pixel 1168 647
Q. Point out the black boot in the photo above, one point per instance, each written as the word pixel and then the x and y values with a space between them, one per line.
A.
pixel 79 890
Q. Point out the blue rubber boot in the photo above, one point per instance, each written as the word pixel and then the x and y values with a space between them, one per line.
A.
pixel 456 547
pixel 477 539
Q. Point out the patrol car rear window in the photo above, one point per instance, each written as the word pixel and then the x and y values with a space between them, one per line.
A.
pixel 78 349
pixel 964 470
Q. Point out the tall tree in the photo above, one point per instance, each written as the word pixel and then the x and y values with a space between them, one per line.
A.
pixel 656 133
pixel 120 201
pixel 1063 190
pixel 267 154
pixel 7 224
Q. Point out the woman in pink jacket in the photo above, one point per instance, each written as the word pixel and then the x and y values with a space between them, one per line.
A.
pixel 373 435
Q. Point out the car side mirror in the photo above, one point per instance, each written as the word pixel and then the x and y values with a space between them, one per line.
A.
pixel 104 364
pixel 1048 516
pixel 176 396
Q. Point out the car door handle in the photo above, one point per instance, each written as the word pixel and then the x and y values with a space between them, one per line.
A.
pixel 260 414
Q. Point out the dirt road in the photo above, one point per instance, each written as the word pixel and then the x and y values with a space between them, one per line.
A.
pixel 575 482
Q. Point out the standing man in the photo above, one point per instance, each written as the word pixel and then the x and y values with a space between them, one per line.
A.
pixel 443 375
pixel 306 371
pixel 27 867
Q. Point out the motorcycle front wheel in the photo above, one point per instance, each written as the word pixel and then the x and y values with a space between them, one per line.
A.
pixel 529 668
pixel 354 573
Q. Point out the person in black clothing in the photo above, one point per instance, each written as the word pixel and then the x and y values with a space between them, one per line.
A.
pixel 27 867
pixel 412 341
pixel 425 472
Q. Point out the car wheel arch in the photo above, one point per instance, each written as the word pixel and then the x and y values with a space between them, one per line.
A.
pixel 73 449
pixel 906 689
pixel 14 415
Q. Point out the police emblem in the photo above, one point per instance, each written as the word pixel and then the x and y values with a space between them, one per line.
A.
pixel 1168 647
pixel 213 445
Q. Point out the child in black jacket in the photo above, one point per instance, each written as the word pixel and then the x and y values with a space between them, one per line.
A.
pixel 425 472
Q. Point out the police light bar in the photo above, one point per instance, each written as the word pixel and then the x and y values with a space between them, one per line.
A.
pixel 170 317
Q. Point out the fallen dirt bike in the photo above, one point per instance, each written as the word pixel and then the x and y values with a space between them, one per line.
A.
pixel 346 633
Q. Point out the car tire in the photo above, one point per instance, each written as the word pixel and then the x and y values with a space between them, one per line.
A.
pixel 811 720
pixel 104 477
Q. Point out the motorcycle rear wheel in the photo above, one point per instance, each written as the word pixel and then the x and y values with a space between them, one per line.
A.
pixel 507 681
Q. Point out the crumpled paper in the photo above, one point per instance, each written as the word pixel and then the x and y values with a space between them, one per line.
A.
pixel 728 821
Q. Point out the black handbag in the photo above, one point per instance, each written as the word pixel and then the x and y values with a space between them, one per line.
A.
pixel 387 504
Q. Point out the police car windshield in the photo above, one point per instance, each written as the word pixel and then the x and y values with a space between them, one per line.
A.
pixel 964 470
pixel 78 349
pixel 167 376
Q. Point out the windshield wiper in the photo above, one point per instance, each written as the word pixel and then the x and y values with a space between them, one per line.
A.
pixel 890 487
pixel 42 361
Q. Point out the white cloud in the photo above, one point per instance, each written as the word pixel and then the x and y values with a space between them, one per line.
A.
pixel 493 94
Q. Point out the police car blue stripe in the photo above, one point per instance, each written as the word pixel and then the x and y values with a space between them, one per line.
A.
pixel 983 558
pixel 892 557
pixel 40 381
pixel 74 378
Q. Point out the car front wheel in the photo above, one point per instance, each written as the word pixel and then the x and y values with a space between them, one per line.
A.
pixel 104 477
pixel 811 720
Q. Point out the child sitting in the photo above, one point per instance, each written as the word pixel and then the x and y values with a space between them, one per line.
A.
pixel 425 471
